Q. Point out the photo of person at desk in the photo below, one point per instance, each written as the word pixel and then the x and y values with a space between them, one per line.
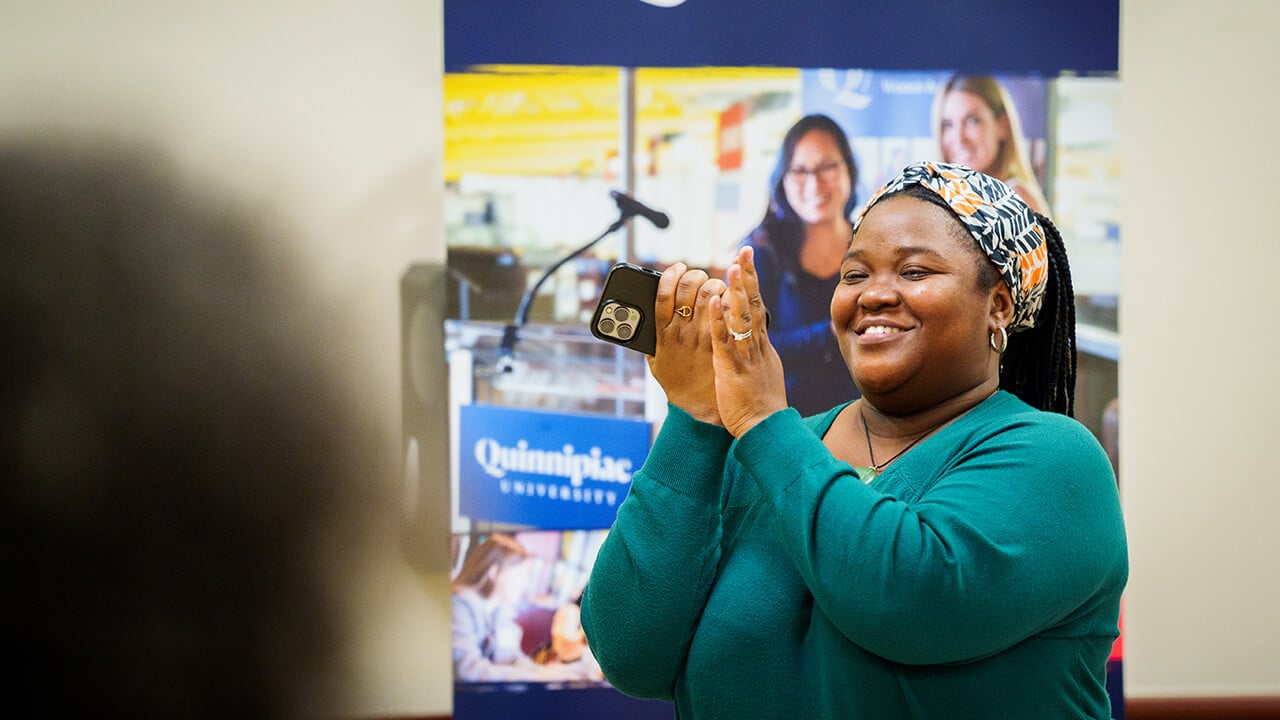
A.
pixel 489 641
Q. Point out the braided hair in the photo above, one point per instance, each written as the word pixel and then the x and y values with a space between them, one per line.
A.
pixel 1039 364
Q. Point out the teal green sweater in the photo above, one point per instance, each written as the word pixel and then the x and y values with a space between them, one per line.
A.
pixel 979 576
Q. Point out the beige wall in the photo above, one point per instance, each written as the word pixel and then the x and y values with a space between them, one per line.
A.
pixel 329 113
pixel 1199 386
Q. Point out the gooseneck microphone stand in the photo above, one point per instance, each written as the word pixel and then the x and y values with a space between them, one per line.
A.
pixel 627 209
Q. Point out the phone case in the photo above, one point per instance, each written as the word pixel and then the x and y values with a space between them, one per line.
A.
pixel 624 314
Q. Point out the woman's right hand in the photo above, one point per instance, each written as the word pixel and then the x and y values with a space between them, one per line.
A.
pixel 749 372
pixel 681 362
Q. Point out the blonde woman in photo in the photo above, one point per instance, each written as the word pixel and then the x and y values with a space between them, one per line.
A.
pixel 976 124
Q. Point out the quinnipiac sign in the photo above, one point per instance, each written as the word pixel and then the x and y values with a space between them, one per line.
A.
pixel 546 470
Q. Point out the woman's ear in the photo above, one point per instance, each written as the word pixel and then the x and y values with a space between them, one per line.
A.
pixel 1001 306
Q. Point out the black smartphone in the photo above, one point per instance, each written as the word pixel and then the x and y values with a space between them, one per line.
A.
pixel 624 314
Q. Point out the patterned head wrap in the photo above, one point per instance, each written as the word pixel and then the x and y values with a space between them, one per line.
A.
pixel 998 219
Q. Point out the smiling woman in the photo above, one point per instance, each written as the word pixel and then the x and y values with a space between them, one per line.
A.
pixel 913 310
pixel 798 247
pixel 954 528
pixel 977 124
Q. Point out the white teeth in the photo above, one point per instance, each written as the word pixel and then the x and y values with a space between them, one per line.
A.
pixel 880 330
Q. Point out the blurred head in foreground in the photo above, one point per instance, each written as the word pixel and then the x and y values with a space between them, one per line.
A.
pixel 179 462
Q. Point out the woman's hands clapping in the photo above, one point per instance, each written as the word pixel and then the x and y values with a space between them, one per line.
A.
pixel 749 380
pixel 713 355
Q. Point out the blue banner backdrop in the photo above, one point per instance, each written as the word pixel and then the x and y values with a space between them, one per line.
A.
pixel 546 470
pixel 1008 36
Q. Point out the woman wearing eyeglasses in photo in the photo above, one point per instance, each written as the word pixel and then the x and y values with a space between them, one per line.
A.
pixel 799 246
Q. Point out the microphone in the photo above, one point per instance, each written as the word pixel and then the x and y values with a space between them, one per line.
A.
pixel 629 207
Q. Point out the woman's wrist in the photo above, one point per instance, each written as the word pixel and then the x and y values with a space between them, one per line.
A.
pixel 709 414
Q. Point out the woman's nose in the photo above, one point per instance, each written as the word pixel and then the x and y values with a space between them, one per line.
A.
pixel 879 291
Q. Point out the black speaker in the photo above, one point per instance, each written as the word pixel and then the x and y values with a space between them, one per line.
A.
pixel 424 447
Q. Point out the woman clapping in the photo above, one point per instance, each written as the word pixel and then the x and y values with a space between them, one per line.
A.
pixel 948 546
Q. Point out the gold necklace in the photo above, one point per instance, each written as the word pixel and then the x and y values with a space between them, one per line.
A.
pixel 867 474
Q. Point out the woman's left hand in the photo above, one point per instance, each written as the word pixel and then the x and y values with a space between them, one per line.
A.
pixel 749 380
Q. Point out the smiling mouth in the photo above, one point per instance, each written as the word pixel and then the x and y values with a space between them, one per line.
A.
pixel 880 331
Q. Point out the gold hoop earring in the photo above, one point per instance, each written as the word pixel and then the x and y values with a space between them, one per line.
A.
pixel 1004 340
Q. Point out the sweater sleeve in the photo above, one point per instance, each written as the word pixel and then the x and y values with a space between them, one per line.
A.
pixel 1018 532
pixel 653 573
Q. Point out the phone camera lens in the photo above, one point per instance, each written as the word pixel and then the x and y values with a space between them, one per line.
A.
pixel 624 331
pixel 621 312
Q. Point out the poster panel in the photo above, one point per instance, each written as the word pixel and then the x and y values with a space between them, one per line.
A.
pixel 546 469
pixel 801 33
pixel 889 114
pixel 517 644
pixel 886 110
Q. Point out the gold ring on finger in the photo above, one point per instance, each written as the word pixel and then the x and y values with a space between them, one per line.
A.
pixel 684 311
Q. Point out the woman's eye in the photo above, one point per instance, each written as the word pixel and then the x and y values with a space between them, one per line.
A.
pixel 852 276
pixel 915 273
